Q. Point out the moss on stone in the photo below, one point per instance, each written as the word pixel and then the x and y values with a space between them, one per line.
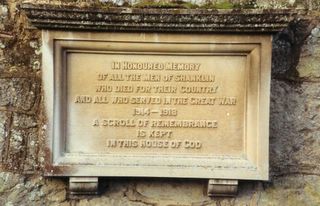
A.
pixel 250 4
pixel 153 4
pixel 165 4
pixel 220 5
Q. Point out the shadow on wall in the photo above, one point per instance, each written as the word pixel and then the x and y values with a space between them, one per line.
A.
pixel 295 101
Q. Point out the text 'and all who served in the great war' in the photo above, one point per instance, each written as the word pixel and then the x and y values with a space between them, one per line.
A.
pixel 143 84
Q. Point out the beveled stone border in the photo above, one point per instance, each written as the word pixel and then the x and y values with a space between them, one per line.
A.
pixel 253 166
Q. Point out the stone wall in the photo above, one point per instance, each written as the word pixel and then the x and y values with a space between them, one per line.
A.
pixel 294 126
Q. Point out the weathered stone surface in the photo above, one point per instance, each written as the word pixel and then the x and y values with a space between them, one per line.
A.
pixel 289 190
pixel 24 121
pixel 20 150
pixel 287 46
pixel 110 201
pixel 15 151
pixel 17 190
pixel 292 190
pixel 307 4
pixel 31 162
pixel 4 121
pixel 19 93
pixel 294 128
pixel 165 191
pixel 8 181
pixel 3 15
pixel 294 121
pixel 159 20
pixel 294 125
pixel 308 66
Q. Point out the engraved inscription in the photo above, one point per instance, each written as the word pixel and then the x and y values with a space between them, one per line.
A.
pixel 158 104
pixel 175 66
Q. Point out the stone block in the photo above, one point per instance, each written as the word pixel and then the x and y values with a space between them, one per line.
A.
pixel 3 15
pixel 19 93
pixel 294 126
pixel 292 190
pixel 308 66
pixel 3 132
pixel 24 121
pixel 31 163
pixel 22 151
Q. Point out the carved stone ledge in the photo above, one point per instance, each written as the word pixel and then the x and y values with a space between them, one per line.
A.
pixel 159 20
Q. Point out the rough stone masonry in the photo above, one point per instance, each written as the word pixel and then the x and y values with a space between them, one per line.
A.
pixel 294 121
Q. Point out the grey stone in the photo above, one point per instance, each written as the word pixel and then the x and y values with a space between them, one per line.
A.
pixel 152 192
pixel 8 181
pixel 31 163
pixel 294 126
pixel 286 49
pixel 292 190
pixel 17 140
pixel 158 20
pixel 3 132
pixel 22 153
pixel 308 66
pixel 19 93
pixel 316 32
pixel 3 11
pixel 24 121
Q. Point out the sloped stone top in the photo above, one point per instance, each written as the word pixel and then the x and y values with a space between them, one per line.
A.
pixel 46 16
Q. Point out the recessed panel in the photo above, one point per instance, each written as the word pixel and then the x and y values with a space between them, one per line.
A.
pixel 155 104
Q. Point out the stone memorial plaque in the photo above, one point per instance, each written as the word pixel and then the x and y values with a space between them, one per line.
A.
pixel 157 105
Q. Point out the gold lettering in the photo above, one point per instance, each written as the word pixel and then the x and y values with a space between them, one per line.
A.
pixel 120 100
pixel 101 100
pixel 198 90
pixel 159 123
pixel 123 65
pixel 104 88
pixel 143 89
pixel 116 77
pixel 190 144
pixel 118 122
pixel 194 78
pixel 160 134
pixel 164 89
pixel 145 100
pixel 83 99
pixel 227 101
pixel 123 89
pixel 96 122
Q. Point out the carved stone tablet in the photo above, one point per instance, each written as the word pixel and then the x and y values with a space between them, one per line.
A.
pixel 157 105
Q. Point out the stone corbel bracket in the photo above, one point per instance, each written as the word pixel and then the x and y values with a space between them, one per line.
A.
pixel 46 16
